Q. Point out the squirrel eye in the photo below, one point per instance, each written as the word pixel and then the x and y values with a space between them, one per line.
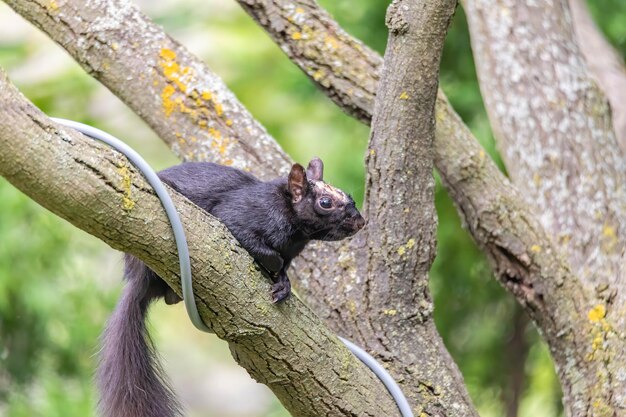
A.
pixel 325 203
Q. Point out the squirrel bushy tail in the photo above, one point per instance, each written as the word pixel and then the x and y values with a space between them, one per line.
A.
pixel 129 377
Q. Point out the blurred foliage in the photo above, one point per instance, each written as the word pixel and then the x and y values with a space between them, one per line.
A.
pixel 51 310
pixel 57 285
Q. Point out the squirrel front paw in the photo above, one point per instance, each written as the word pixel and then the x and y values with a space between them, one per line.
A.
pixel 281 289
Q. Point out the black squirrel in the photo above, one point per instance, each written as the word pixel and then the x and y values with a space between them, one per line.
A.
pixel 272 220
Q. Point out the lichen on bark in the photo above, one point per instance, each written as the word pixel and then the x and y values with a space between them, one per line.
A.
pixel 281 346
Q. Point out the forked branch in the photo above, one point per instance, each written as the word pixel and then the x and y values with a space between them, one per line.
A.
pixel 97 190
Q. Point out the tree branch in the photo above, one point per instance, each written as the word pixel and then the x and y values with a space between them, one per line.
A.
pixel 604 64
pixel 572 321
pixel 185 103
pixel 523 256
pixel 329 286
pixel 395 307
pixel 97 190
pixel 115 43
pixel 554 128
pixel 342 66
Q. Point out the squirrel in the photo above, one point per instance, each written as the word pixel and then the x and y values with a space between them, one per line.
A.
pixel 272 220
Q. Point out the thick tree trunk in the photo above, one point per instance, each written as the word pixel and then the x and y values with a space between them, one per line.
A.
pixel 395 253
pixel 571 319
pixel 554 130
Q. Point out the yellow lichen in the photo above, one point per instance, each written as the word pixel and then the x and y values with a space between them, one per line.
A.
pixel 166 98
pixel 608 231
pixel 536 179
pixel 404 96
pixel 299 10
pixel 167 54
pixel 318 75
pixel 597 313
pixel 535 248
pixel 126 183
pixel 175 75
pixel 296 36
pixel 401 250
pixel 609 238
pixel 214 132
pixel 196 103
pixel 331 42
pixel 597 342
pixel 53 6
pixel 390 312
pixel 410 243
pixel 372 152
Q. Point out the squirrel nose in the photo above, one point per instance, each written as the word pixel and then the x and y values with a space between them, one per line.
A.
pixel 359 222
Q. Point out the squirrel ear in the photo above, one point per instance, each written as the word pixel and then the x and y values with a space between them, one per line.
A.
pixel 297 183
pixel 315 170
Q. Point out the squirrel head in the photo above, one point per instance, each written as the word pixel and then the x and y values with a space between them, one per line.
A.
pixel 324 212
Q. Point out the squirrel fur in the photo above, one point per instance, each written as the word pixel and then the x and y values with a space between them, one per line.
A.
pixel 272 220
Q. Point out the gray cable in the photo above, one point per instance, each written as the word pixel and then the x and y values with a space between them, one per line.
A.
pixel 185 263
pixel 383 375
pixel 168 205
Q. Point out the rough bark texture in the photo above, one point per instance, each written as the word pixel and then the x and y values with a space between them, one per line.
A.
pixel 185 103
pixel 398 246
pixel 554 129
pixel 585 346
pixel 345 68
pixel 605 65
pixel 95 188
pixel 572 320
pixel 583 326
pixel 320 260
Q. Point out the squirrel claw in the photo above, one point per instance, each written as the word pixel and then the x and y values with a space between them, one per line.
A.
pixel 280 291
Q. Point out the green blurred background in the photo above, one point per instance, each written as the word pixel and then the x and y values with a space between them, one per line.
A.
pixel 58 285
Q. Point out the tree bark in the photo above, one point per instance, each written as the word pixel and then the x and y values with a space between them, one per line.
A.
pixel 398 247
pixel 179 97
pixel 469 176
pixel 605 65
pixel 554 130
pixel 582 325
pixel 97 190
pixel 74 33
pixel 345 69
pixel 572 321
